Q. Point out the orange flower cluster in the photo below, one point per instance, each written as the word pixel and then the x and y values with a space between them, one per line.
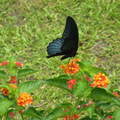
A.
pixel 71 83
pixel 100 80
pixel 4 63
pixel 72 67
pixel 67 117
pixel 5 91
pixel 24 99
pixel 19 64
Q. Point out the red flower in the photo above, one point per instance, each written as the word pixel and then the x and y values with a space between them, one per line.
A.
pixel 67 117
pixel 20 111
pixel 19 63
pixel 89 79
pixel 71 83
pixel 85 105
pixel 110 117
pixel 13 80
pixel 12 115
pixel 4 63
pixel 116 94
pixel 76 116
pixel 5 91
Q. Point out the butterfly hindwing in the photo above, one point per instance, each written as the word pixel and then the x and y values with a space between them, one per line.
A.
pixel 54 48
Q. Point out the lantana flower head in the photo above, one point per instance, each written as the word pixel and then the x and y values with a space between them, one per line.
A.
pixel 19 64
pixel 4 63
pixel 72 67
pixel 24 99
pixel 100 80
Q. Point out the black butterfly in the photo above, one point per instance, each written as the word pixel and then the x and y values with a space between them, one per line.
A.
pixel 68 44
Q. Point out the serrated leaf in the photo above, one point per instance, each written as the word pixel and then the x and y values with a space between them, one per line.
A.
pixel 4 105
pixel 24 72
pixel 96 70
pixel 59 82
pixel 7 115
pixel 116 114
pixel 33 113
pixel 64 105
pixel 80 87
pixel 103 95
pixel 3 74
pixel 91 111
pixel 29 86
pixel 106 106
pixel 83 108
pixel 86 63
pixel 56 113
pixel 88 118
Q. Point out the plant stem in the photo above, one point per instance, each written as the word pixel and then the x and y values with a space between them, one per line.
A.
pixel 75 106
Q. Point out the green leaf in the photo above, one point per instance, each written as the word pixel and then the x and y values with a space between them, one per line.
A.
pixel 106 106
pixel 24 72
pixel 91 111
pixel 29 86
pixel 83 108
pixel 33 113
pixel 7 86
pixel 60 82
pixel 64 105
pixel 3 74
pixel 88 118
pixel 96 70
pixel 4 105
pixel 103 95
pixel 7 115
pixel 86 63
pixel 81 87
pixel 116 114
pixel 56 113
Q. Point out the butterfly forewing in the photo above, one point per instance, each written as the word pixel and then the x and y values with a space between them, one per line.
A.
pixel 70 36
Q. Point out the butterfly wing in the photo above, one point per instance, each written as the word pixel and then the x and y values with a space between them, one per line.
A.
pixel 54 48
pixel 70 36
pixel 68 44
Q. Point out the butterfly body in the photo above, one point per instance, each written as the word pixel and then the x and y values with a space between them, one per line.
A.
pixel 68 44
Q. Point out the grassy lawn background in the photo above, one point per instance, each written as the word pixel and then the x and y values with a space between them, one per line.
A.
pixel 27 27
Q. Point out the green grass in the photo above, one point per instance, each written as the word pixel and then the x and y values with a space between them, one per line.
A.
pixel 27 27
